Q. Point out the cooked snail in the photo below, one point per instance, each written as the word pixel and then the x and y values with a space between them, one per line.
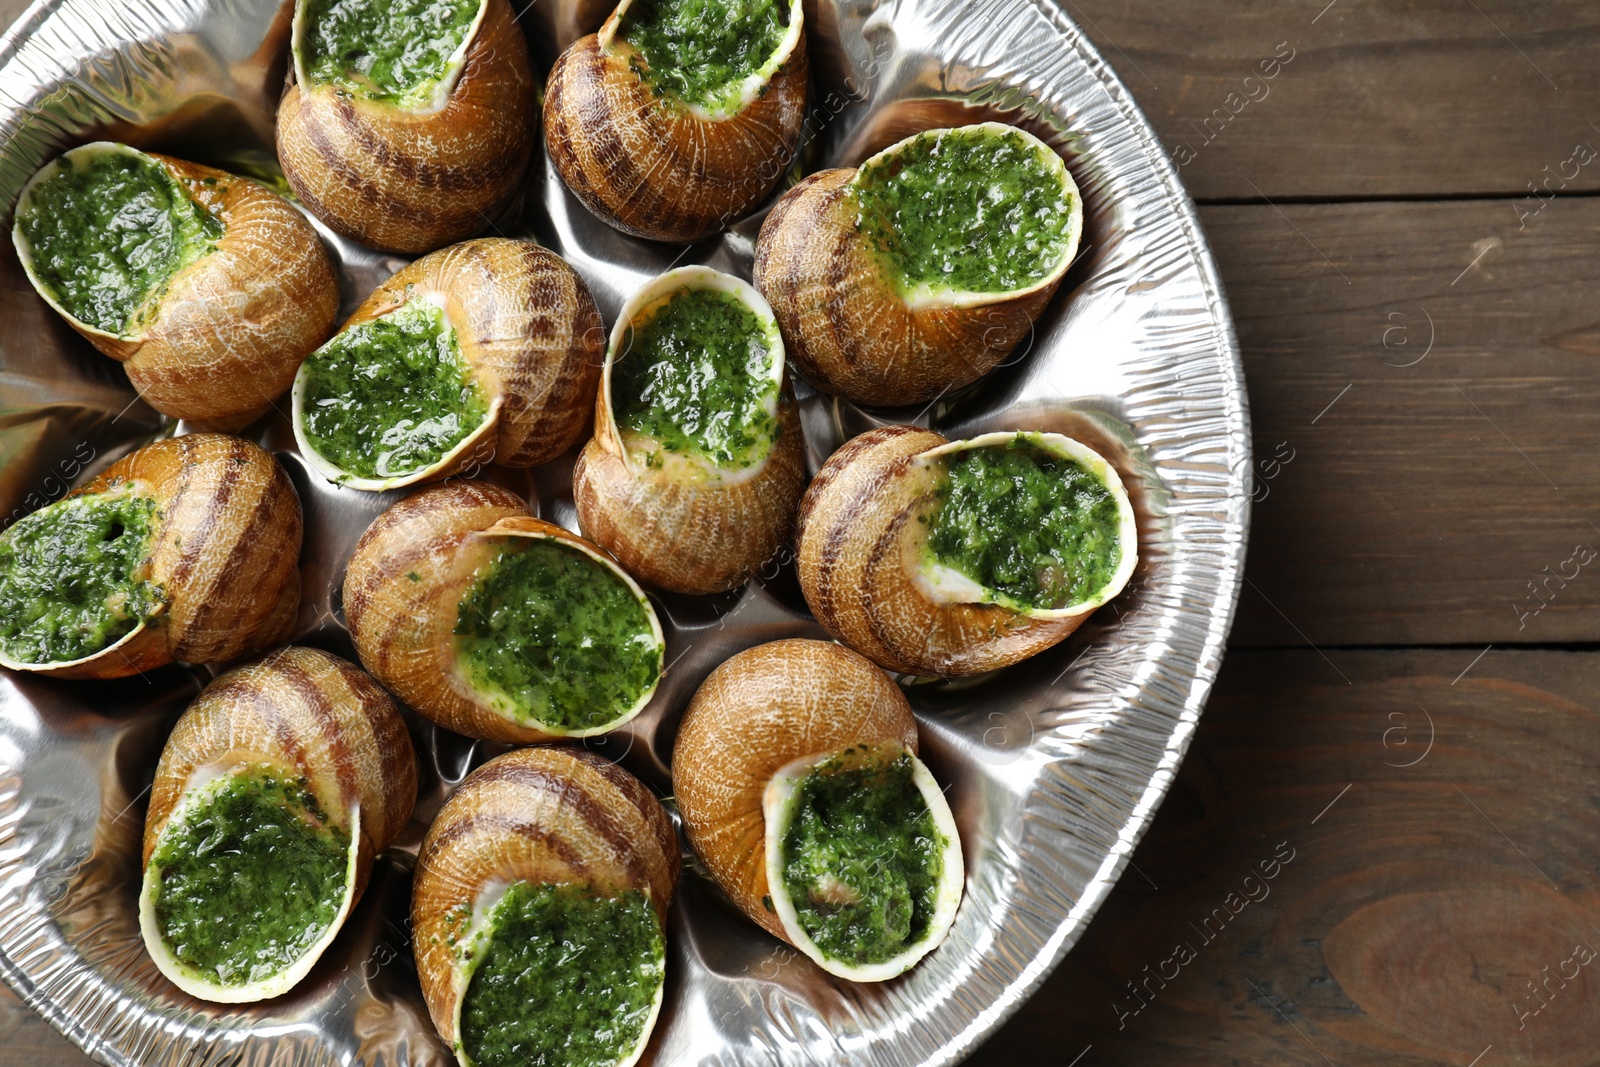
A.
pixel 678 118
pixel 936 557
pixel 486 350
pixel 797 774
pixel 697 463
pixel 406 126
pixel 539 912
pixel 188 549
pixel 495 624
pixel 275 793
pixel 917 272
pixel 207 288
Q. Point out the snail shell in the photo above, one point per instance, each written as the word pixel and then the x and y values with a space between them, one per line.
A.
pixel 656 166
pixel 223 338
pixel 861 560
pixel 762 720
pixel 530 336
pixel 847 325
pixel 224 550
pixel 539 815
pixel 310 717
pixel 402 595
pixel 412 180
pixel 688 525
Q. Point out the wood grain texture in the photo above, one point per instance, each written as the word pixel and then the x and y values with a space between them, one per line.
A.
pixel 1418 504
pixel 1380 98
pixel 1408 914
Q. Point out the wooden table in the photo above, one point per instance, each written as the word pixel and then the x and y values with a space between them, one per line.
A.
pixel 1384 846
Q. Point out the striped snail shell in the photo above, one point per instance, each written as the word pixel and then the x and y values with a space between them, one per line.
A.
pixel 680 521
pixel 650 163
pixel 218 573
pixel 865 566
pixel 409 582
pixel 409 175
pixel 763 721
pixel 856 331
pixel 543 819
pixel 221 338
pixel 294 772
pixel 530 344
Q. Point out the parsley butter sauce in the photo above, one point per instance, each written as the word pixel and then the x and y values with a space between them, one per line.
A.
pixel 70 581
pixel 250 876
pixel 107 230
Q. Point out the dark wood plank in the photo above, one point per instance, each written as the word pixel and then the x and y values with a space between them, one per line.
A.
pixel 28 1041
pixel 1377 97
pixel 1429 495
pixel 1304 893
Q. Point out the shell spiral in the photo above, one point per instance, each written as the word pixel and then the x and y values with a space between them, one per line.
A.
pixel 402 591
pixel 847 327
pixel 230 329
pixel 313 717
pixel 760 710
pixel 859 542
pixel 531 334
pixel 407 181
pixel 541 815
pixel 225 548
pixel 651 166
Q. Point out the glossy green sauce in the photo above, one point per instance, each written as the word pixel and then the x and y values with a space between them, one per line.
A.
pixel 862 858
pixel 700 50
pixel 108 232
pixel 396 52
pixel 696 378
pixel 567 977
pixel 69 584
pixel 552 636
pixel 1034 528
pixel 968 211
pixel 251 877
pixel 389 397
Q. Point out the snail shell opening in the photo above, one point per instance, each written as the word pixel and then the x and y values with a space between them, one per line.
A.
pixel 690 515
pixel 431 558
pixel 761 726
pixel 518 324
pixel 216 339
pixel 873 581
pixel 778 809
pixel 203 785
pixel 214 570
pixel 300 745
pixel 402 170
pixel 651 163
pixel 541 818
pixel 868 314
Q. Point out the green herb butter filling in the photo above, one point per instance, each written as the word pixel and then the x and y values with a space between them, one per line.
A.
pixel 389 397
pixel 250 876
pixel 701 50
pixel 969 210
pixel 107 231
pixel 1037 530
pixel 862 858
pixel 397 52
pixel 695 377
pixel 566 977
pixel 70 577
pixel 551 635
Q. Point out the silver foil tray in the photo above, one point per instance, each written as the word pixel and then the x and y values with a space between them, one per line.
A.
pixel 1054 766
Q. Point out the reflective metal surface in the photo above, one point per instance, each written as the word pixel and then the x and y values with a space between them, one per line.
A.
pixel 1054 766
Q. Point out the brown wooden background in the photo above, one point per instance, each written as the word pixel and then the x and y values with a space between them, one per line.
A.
pixel 1406 222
